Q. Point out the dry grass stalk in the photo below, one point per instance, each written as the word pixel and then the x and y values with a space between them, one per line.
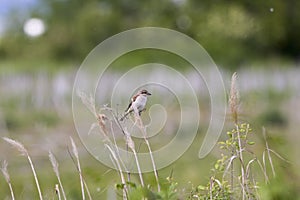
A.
pixel 75 152
pixel 20 147
pixel 240 154
pixel 84 182
pixel 263 170
pixel 248 174
pixel 101 121
pixel 101 118
pixel 230 163
pixel 114 144
pixel 57 191
pixel 89 102
pixel 56 171
pixel 234 98
pixel 130 144
pixel 116 161
pixel 87 190
pixel 233 104
pixel 144 132
pixel 211 185
pixel 5 171
pixel 7 178
pixel 268 151
pixel 85 185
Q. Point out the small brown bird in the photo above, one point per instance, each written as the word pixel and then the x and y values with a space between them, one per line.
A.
pixel 138 102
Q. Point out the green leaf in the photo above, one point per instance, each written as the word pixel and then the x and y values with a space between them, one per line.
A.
pixel 201 187
pixel 131 184
pixel 120 186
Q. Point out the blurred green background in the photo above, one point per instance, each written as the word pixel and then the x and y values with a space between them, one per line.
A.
pixel 43 43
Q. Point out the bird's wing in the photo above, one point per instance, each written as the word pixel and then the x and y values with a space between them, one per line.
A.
pixel 130 103
pixel 132 100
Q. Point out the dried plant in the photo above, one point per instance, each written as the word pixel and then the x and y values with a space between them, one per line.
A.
pixel 234 105
pixel 7 178
pixel 116 161
pixel 75 161
pixel 130 144
pixel 20 147
pixel 102 121
pixel 75 152
pixel 56 171
pixel 57 191
pixel 144 132
pixel 89 102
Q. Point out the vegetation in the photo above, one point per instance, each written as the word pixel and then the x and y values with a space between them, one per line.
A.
pixel 239 173
pixel 250 161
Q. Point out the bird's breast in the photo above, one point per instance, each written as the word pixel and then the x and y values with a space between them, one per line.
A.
pixel 140 102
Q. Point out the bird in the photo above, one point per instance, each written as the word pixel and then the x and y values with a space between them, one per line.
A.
pixel 137 102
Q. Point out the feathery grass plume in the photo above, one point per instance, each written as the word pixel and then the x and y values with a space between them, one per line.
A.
pixel 234 98
pixel 129 141
pixel 5 172
pixel 113 142
pixel 7 178
pixel 233 104
pixel 57 191
pixel 89 102
pixel 75 152
pixel 102 121
pixel 20 147
pixel 56 171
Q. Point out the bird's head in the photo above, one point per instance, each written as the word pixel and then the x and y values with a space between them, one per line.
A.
pixel 145 92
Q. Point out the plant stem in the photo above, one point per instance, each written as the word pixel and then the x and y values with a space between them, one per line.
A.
pixel 143 130
pixel 231 166
pixel 120 170
pixel 35 177
pixel 138 166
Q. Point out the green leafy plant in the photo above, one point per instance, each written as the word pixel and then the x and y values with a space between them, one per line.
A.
pixel 137 192
pixel 234 175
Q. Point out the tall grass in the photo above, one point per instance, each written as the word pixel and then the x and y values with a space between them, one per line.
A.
pixel 7 178
pixel 19 146
pixel 83 185
pixel 56 171
pixel 144 132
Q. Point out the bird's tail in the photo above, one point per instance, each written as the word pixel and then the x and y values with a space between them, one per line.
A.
pixel 124 116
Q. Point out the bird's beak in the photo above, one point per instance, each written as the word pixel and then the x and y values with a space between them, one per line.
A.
pixel 148 93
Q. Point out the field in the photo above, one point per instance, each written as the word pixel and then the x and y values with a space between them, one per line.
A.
pixel 36 110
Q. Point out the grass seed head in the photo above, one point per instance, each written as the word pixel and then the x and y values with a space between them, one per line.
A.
pixel 19 146
pixel 234 98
